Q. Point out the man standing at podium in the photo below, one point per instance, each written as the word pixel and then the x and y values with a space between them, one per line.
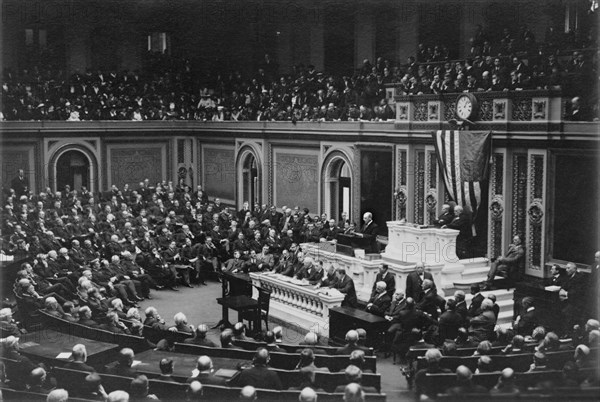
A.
pixel 369 230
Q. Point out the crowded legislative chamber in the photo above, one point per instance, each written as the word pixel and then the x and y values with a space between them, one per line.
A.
pixel 299 200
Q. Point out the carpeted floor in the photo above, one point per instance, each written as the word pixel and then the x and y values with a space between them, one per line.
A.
pixel 200 307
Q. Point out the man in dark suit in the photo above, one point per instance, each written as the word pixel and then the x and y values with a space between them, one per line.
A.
pixel 370 230
pixel 411 321
pixel 20 183
pixel 482 326
pixel 414 282
pixel 508 266
pixel 259 375
pixel 573 295
pixel 475 306
pixel 345 285
pixel 204 373
pixel 528 320
pixel 166 370
pixel 351 344
pixel 462 223
pixel 380 301
pixel 386 276
pixel 199 337
pixel 123 366
pixel 429 303
pixel 397 305
pixel 445 217
pixel 450 321
pixel 79 356
pixel 461 305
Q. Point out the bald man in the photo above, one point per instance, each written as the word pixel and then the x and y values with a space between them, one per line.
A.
pixel 259 375
pixel 205 373
pixel 307 395
pixel 353 393
pixel 464 383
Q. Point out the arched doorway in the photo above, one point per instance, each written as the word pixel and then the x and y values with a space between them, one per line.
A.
pixel 338 185
pixel 250 180
pixel 73 169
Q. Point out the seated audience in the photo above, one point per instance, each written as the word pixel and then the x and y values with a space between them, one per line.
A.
pixel 259 375
pixel 354 375
pixel 205 373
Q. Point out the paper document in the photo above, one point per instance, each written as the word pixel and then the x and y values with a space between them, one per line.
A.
pixel 64 355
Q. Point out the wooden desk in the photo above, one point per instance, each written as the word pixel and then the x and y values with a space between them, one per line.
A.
pixel 47 344
pixel 236 290
pixel 241 304
pixel 183 364
pixel 343 319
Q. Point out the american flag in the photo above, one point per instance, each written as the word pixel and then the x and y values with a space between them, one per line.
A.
pixel 463 158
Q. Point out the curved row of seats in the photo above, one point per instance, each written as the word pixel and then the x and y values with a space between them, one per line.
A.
pixel 518 362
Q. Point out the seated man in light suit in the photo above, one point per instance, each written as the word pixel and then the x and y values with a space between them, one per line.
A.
pixel 508 266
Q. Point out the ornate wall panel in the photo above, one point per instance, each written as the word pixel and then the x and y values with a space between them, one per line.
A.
pixel 497 215
pixel 431 186
pixel 219 171
pixel 296 178
pixel 401 188
pixel 130 164
pixel 419 196
pixel 519 194
pixel 536 212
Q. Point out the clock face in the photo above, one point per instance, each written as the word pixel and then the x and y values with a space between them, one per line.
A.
pixel 464 107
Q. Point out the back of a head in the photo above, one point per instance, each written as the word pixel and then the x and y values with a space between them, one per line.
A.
pixel 357 357
pixel 126 357
pixel 311 338
pixel 118 396
pixel 37 376
pixel 269 337
pixel 463 373
pixel 139 386
pixel 204 363
pixel 354 393
pixel 433 356
pixel 353 374
pixel 201 330
pixel 194 391
pixel 58 395
pixel 261 357
pixel 226 337
pixel 507 376
pixel 487 304
pixel 248 393
pixel 449 348
pixel 307 395
pixel 475 289
pixel 79 353
pixel 484 347
pixel 352 336
pixel 166 366
pixel 518 341
pixel 538 333
pixel 484 364
pixel 238 328
pixel 307 356
pixel 92 382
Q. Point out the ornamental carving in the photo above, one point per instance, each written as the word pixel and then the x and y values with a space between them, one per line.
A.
pixel 431 201
pixel 536 212
pixel 485 110
pixel 420 111
pixel 497 208
pixel 402 113
pixel 499 110
pixel 539 109
pixel 401 196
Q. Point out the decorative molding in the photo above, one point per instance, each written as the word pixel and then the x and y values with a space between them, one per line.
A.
pixel 519 194
pixel 539 108
pixel 536 212
pixel 434 110
pixel 497 208
pixel 500 110
pixel 419 195
pixel 402 111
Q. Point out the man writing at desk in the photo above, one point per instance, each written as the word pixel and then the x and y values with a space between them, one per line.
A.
pixel 369 231
pixel 345 285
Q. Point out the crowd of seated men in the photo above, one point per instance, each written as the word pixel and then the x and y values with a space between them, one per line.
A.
pixel 167 88
pixel 91 259
pixel 447 329
pixel 21 373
